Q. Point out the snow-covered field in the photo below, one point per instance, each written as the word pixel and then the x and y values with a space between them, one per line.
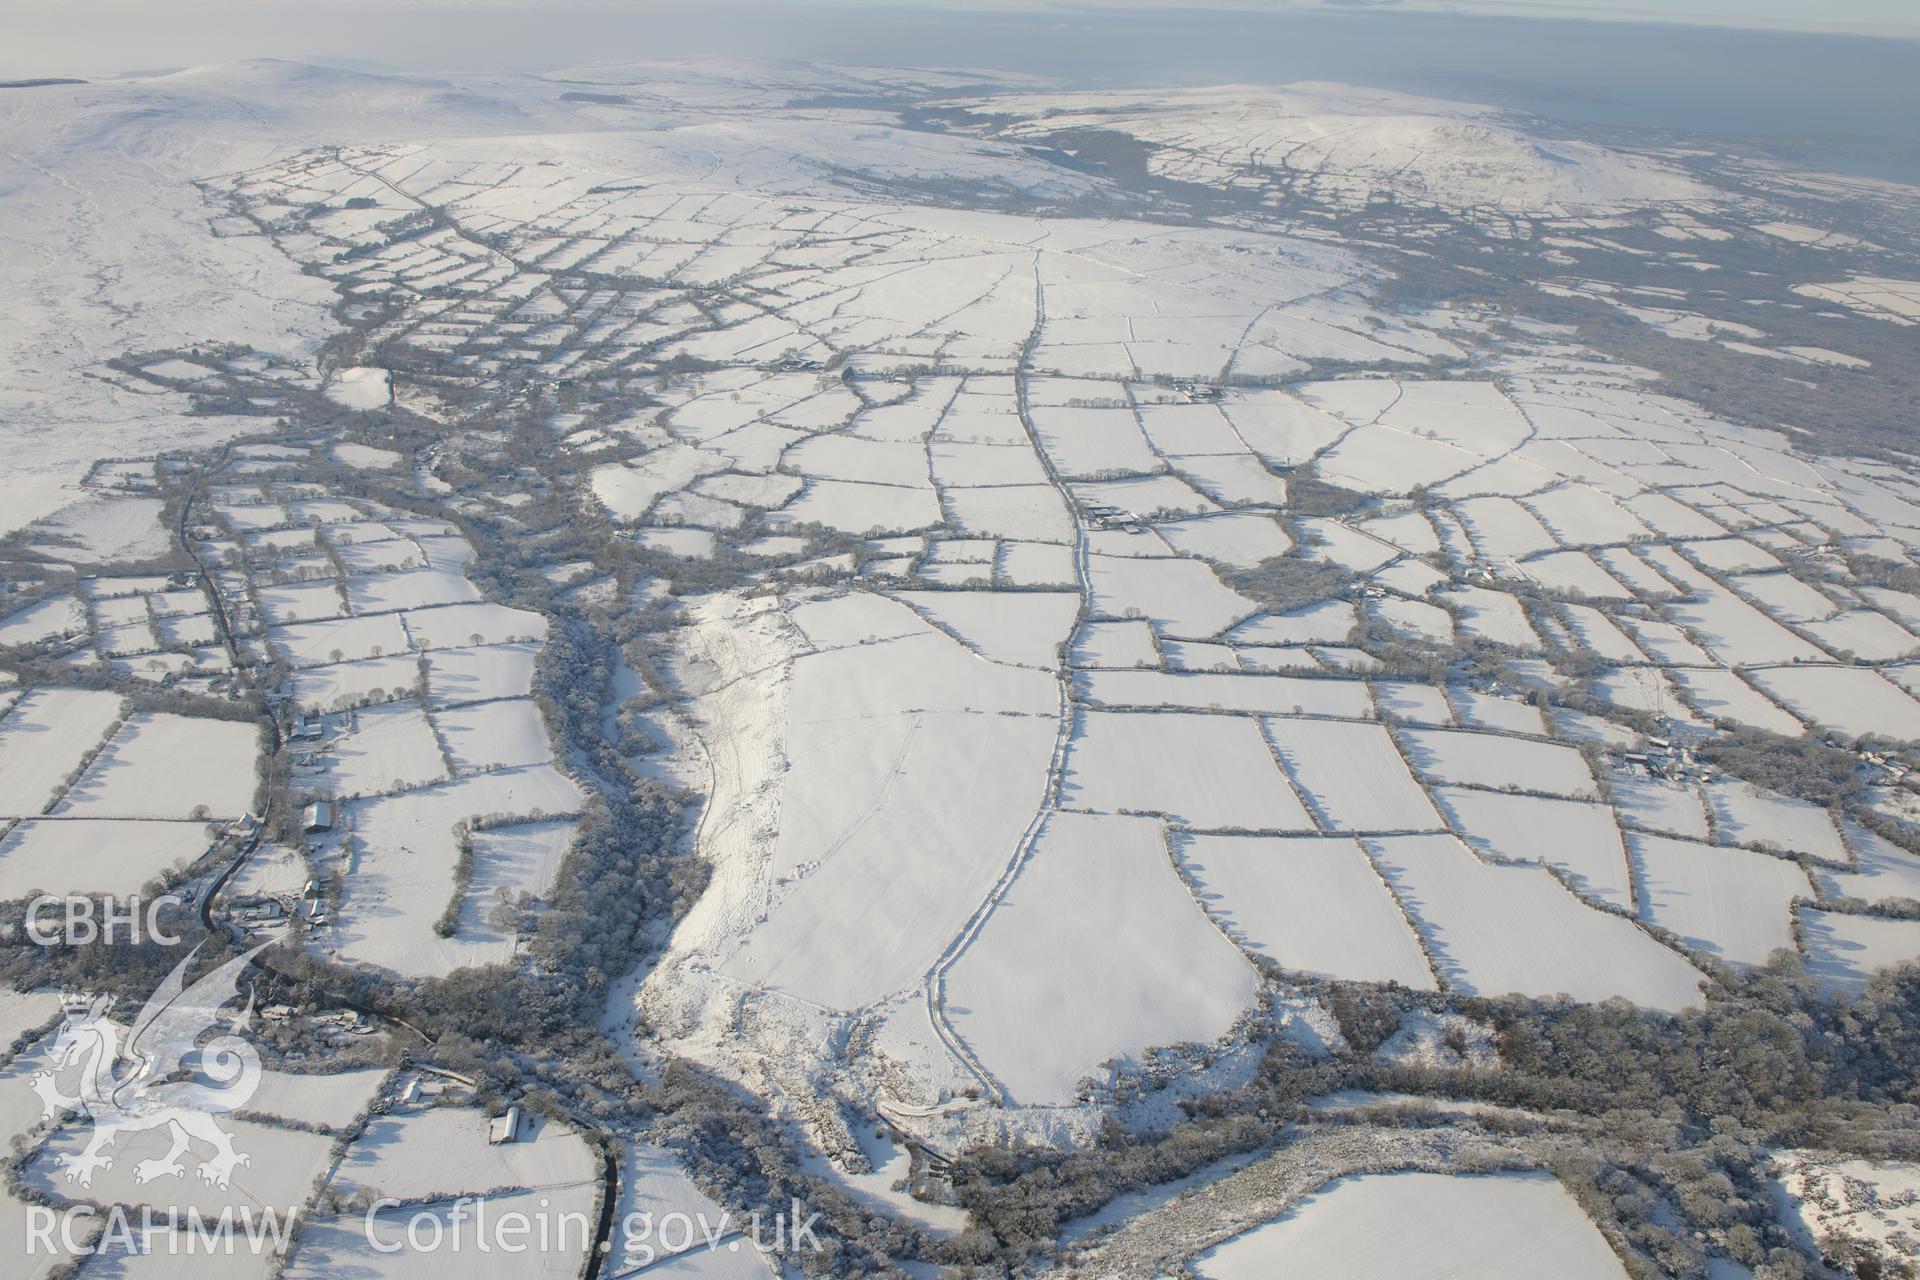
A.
pixel 283 1167
pixel 1351 775
pixel 1579 838
pixel 503 734
pixel 399 863
pixel 1727 902
pixel 387 748
pixel 105 855
pixel 1498 929
pixel 1045 997
pixel 166 766
pixel 342 1245
pixel 44 737
pixel 1199 770
pixel 443 1151
pixel 332 1099
pixel 1746 814
pixel 1315 905
pixel 1423 1226
pixel 1496 761
pixel 1896 301
pixel 1845 951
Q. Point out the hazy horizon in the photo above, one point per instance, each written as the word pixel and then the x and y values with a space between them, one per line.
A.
pixel 1845 103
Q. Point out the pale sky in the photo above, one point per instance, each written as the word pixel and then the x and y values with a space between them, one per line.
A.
pixel 1156 41
pixel 1875 17
pixel 1878 16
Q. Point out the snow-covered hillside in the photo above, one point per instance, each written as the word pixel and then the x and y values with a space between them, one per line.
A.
pixel 1095 579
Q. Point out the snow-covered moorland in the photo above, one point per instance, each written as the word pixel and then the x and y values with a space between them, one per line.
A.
pixel 970 613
